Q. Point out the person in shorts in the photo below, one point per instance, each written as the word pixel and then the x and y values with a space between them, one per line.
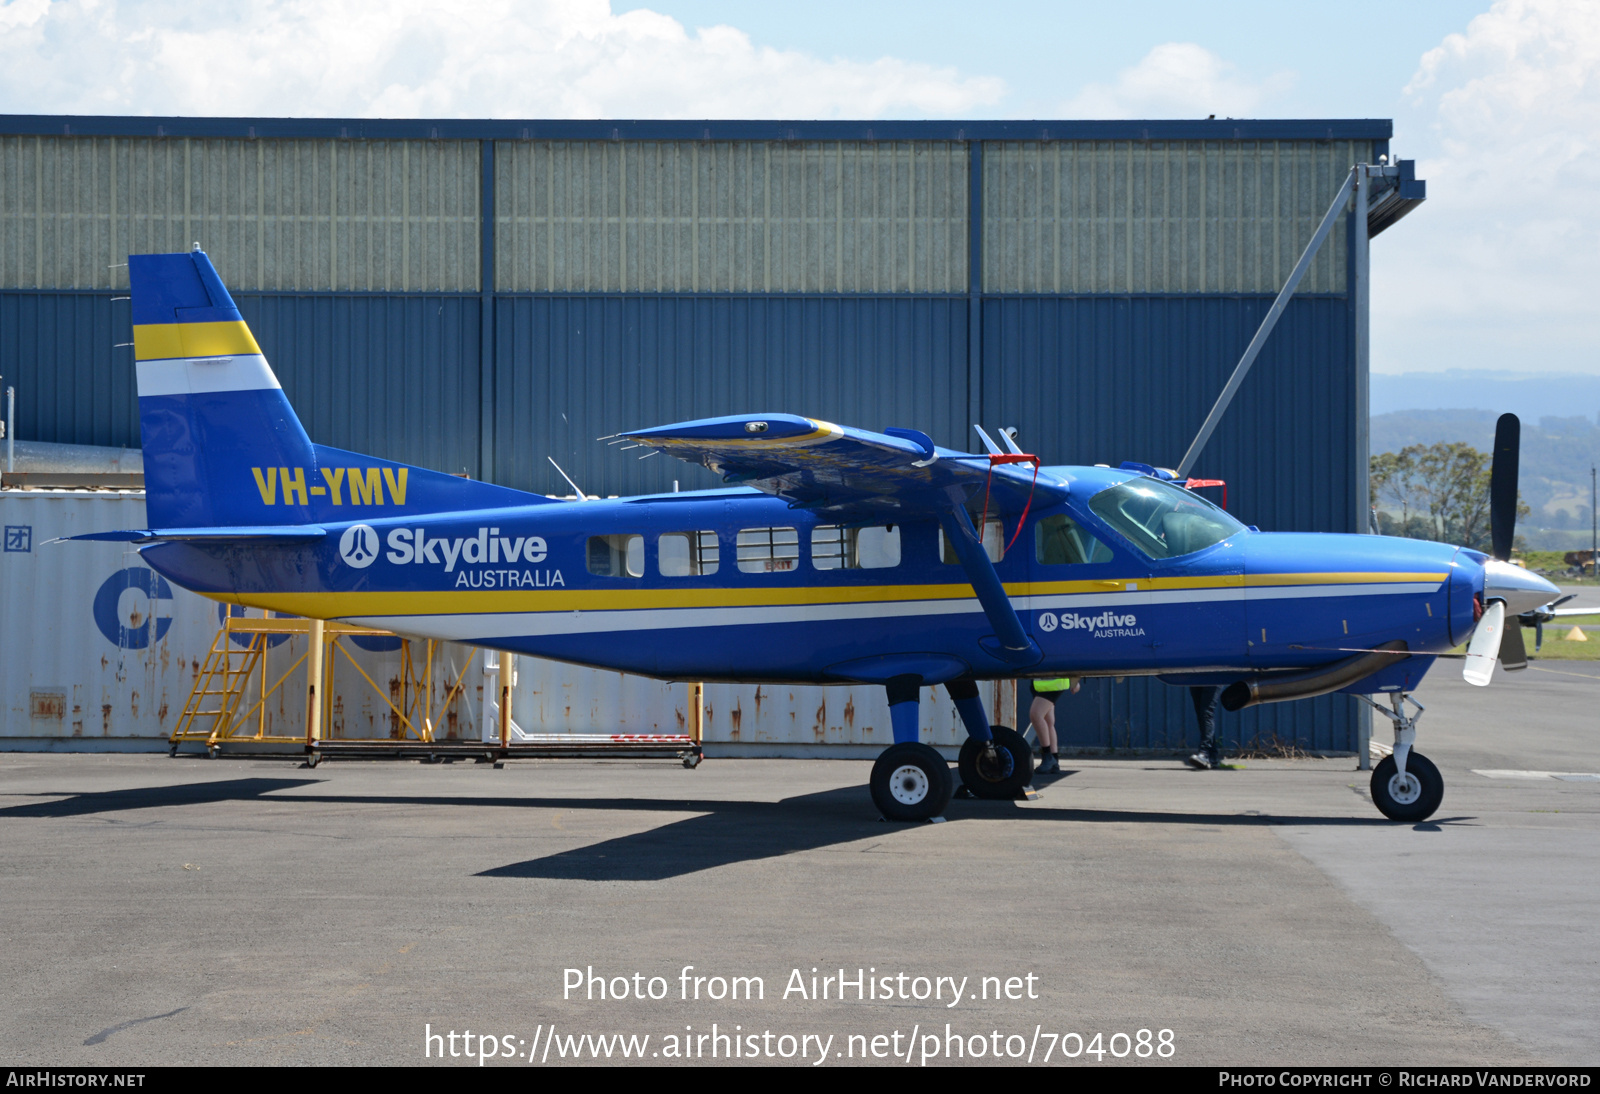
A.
pixel 1042 716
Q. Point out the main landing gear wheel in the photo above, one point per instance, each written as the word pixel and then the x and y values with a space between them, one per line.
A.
pixel 1411 797
pixel 999 773
pixel 911 782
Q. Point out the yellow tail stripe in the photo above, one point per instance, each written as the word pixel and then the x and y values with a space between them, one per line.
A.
pixel 160 341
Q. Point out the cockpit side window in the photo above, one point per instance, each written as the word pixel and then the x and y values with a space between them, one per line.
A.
pixel 1161 520
pixel 1059 541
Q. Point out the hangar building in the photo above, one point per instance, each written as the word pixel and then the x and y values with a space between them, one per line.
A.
pixel 478 295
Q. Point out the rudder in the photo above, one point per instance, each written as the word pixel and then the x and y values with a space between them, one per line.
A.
pixel 209 404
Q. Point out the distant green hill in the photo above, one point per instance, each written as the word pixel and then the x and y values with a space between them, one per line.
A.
pixel 1556 456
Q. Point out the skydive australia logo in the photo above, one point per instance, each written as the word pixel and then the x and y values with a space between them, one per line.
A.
pixel 1107 624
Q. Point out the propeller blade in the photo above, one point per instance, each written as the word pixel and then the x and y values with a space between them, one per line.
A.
pixel 1485 645
pixel 1538 637
pixel 1513 653
pixel 1503 484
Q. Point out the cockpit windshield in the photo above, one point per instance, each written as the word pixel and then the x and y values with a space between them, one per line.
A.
pixel 1162 520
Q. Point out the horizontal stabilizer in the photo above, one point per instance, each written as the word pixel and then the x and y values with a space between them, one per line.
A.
pixel 301 533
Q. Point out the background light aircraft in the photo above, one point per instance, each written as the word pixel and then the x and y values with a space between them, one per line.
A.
pixel 834 555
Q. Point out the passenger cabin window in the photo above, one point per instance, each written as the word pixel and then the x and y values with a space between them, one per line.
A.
pixel 836 547
pixel 1061 541
pixel 994 543
pixel 687 554
pixel 1162 520
pixel 616 556
pixel 767 550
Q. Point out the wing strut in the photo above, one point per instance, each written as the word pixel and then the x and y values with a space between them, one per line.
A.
pixel 1015 645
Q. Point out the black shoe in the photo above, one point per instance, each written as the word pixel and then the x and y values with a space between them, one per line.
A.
pixel 1049 766
pixel 1200 762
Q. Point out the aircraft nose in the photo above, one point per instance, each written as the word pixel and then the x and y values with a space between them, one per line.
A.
pixel 1521 589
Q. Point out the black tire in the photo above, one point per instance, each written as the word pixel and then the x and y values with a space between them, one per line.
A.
pixel 1410 800
pixel 911 782
pixel 1002 777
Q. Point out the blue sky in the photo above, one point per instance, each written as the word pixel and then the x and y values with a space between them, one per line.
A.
pixel 1348 61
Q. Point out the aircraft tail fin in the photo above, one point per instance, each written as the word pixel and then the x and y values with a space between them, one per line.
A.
pixel 222 445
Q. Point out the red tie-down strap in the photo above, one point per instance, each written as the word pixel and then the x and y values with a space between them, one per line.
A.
pixel 996 458
pixel 1192 483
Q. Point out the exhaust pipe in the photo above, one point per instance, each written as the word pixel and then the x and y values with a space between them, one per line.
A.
pixel 1304 685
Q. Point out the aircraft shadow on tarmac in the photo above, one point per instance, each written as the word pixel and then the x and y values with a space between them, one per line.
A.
pixel 150 797
pixel 720 834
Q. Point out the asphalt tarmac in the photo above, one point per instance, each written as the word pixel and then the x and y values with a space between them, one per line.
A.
pixel 163 911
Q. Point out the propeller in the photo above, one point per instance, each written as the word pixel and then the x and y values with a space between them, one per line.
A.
pixel 1503 485
pixel 1507 588
pixel 1486 644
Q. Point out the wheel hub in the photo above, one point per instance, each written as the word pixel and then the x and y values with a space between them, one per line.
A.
pixel 909 784
pixel 995 764
pixel 1405 789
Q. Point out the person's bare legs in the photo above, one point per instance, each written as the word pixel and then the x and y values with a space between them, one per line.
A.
pixel 1042 716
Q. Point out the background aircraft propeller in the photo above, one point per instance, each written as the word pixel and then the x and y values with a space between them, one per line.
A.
pixel 1540 616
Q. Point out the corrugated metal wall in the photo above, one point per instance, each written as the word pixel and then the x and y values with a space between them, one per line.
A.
pixel 647 281
pixel 396 376
pixel 730 216
pixel 1135 713
pixel 1102 379
pixel 73 385
pixel 1160 216
pixel 390 216
pixel 571 369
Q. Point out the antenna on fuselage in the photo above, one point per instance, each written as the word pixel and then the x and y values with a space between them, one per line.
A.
pixel 988 442
pixel 575 488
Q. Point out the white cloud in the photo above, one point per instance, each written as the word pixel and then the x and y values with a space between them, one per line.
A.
pixel 1178 79
pixel 444 58
pixel 1501 267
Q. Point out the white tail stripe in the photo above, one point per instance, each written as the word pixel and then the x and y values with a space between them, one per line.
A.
pixel 201 375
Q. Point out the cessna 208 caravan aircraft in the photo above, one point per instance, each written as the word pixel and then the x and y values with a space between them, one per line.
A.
pixel 835 555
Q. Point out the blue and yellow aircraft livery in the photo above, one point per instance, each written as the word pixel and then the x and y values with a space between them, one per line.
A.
pixel 837 554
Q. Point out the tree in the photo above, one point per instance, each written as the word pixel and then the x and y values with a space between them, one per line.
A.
pixel 1448 482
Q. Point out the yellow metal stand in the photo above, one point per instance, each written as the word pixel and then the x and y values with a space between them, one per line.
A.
pixel 697 712
pixel 212 714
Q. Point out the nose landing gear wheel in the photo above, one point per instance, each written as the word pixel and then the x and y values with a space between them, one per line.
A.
pixel 1411 797
pixel 1000 774
pixel 911 782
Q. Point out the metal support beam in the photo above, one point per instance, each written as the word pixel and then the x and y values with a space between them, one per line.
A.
pixel 1361 286
pixel 506 681
pixel 1254 348
pixel 314 686
pixel 1361 485
pixel 486 287
pixel 975 281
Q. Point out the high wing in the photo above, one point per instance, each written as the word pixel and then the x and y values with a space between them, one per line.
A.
pixel 849 472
